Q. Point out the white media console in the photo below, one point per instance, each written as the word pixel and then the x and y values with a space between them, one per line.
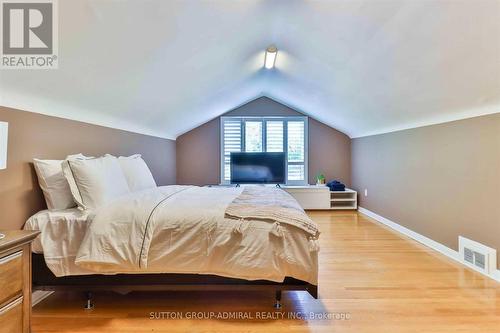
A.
pixel 320 197
pixel 317 196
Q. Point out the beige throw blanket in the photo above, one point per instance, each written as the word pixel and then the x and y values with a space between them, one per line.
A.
pixel 272 204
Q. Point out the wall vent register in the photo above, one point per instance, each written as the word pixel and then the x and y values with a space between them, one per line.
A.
pixel 477 256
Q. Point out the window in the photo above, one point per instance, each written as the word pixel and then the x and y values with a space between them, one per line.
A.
pixel 253 136
pixel 266 134
pixel 274 136
pixel 232 143
pixel 296 153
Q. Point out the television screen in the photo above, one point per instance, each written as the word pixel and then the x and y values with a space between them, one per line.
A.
pixel 257 168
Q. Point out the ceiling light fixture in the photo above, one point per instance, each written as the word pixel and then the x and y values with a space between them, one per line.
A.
pixel 270 58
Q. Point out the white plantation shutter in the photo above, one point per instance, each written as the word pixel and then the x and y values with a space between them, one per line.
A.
pixel 268 134
pixel 296 141
pixel 296 151
pixel 274 136
pixel 296 172
pixel 232 143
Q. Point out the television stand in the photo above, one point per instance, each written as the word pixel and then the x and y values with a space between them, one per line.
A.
pixel 320 197
pixel 239 185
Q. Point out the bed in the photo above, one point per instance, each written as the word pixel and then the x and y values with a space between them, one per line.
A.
pixel 176 238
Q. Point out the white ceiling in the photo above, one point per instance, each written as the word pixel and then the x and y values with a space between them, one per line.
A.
pixel 363 67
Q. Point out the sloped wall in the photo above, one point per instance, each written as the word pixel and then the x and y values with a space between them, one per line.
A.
pixel 441 181
pixel 35 135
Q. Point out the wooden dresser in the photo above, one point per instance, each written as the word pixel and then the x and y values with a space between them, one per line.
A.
pixel 15 281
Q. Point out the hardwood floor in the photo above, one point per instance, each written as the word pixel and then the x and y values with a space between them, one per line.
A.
pixel 376 279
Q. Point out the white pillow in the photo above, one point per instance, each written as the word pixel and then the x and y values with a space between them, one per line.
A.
pixel 53 183
pixel 137 173
pixel 95 182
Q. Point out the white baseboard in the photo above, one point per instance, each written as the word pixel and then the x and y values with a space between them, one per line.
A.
pixel 38 296
pixel 496 275
pixel 450 253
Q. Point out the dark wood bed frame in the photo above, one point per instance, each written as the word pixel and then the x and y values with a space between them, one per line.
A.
pixel 44 279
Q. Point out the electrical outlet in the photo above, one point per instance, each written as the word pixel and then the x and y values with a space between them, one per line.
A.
pixel 366 192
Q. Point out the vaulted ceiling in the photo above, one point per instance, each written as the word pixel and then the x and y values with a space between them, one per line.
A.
pixel 363 67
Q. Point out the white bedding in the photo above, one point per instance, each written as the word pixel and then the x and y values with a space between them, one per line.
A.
pixel 181 229
pixel 62 232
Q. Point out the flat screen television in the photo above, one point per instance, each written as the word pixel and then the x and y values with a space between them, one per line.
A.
pixel 257 168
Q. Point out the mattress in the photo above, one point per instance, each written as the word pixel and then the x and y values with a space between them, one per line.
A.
pixel 61 235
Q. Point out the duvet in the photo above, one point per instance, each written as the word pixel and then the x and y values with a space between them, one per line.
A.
pixel 184 229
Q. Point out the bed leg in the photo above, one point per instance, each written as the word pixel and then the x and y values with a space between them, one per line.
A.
pixel 312 290
pixel 277 304
pixel 89 305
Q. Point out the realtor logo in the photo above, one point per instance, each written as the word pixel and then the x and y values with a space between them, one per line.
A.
pixel 29 34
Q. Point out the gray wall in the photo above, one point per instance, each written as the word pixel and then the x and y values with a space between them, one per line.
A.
pixel 198 151
pixel 198 155
pixel 441 181
pixel 35 135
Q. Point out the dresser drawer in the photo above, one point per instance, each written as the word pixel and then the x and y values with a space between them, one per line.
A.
pixel 11 276
pixel 11 317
